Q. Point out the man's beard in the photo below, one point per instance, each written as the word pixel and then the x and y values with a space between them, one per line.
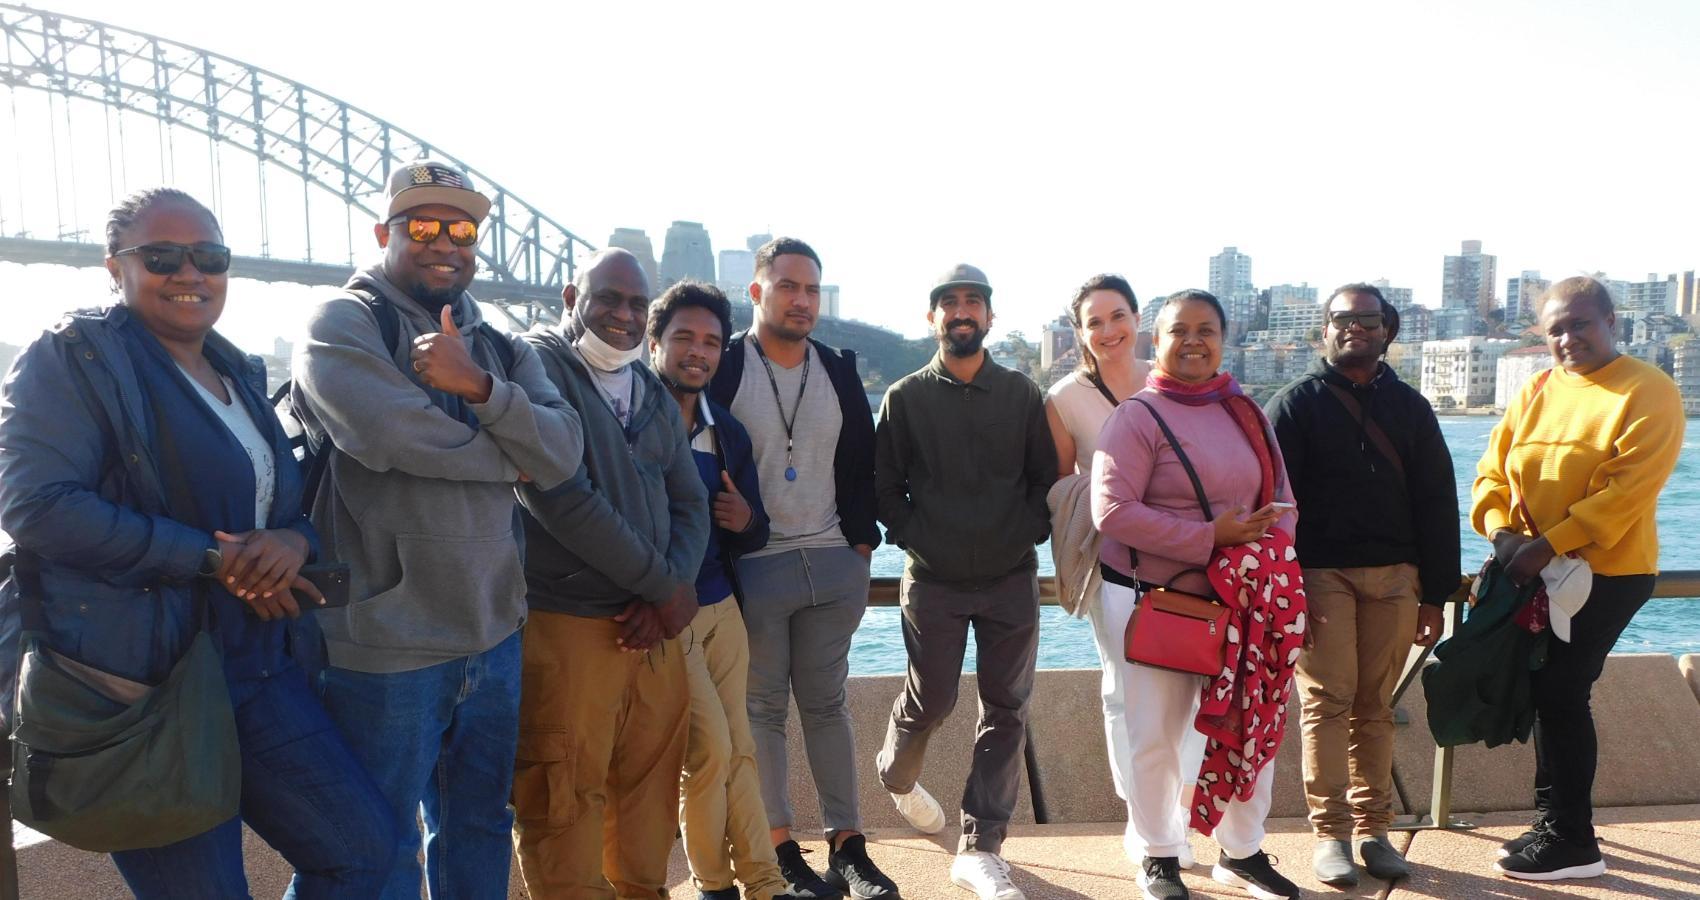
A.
pixel 436 296
pixel 969 345
pixel 679 386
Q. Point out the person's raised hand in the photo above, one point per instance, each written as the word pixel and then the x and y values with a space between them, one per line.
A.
pixel 731 511
pixel 442 362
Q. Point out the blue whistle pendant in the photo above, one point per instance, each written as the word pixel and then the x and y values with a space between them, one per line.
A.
pixel 790 473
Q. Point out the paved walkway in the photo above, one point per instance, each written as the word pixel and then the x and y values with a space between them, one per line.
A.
pixel 1651 852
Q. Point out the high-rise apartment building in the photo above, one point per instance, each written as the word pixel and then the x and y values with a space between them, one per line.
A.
pixel 1230 281
pixel 1056 340
pixel 1654 297
pixel 1467 280
pixel 754 241
pixel 636 242
pixel 1687 296
pixel 829 294
pixel 1400 297
pixel 687 253
pixel 1521 295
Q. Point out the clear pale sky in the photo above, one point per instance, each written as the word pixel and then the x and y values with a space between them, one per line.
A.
pixel 1330 141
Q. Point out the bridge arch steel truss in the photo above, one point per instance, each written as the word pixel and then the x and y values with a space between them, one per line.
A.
pixel 329 144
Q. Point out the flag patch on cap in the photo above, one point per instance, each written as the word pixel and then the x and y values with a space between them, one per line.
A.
pixel 437 175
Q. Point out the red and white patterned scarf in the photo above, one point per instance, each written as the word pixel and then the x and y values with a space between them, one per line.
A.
pixel 1244 710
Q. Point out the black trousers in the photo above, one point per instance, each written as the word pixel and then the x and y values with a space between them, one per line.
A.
pixel 1566 749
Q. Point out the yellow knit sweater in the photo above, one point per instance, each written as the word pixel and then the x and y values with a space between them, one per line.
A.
pixel 1588 454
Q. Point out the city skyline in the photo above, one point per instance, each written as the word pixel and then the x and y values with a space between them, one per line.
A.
pixel 1067 161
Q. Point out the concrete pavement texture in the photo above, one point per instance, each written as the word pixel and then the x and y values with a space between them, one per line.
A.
pixel 1651 852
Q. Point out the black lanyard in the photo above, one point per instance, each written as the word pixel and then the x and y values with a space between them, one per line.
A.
pixel 790 424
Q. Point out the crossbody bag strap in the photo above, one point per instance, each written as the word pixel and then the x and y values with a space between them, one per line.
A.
pixel 1175 445
pixel 1104 389
pixel 1372 429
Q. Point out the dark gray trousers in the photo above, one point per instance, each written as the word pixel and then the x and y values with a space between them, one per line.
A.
pixel 936 617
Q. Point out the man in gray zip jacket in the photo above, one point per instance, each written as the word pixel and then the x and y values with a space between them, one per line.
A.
pixel 611 565
pixel 427 440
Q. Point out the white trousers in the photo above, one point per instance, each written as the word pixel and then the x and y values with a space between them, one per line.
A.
pixel 1157 756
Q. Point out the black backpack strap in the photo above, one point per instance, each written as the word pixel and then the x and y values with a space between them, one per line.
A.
pixel 389 321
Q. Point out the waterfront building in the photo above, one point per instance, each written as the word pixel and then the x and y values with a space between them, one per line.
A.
pixel 737 270
pixel 1460 373
pixel 1453 322
pixel 1230 281
pixel 1467 280
pixel 1685 369
pixel 1294 315
pixel 1688 297
pixel 1400 297
pixel 1275 363
pixel 1055 340
pixel 1516 367
pixel 1406 359
pixel 687 253
pixel 1655 296
pixel 1416 324
pixel 636 242
pixel 755 241
pixel 1521 295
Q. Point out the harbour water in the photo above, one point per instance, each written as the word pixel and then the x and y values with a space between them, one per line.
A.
pixel 1662 626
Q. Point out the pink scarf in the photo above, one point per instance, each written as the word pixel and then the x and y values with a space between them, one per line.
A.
pixel 1225 390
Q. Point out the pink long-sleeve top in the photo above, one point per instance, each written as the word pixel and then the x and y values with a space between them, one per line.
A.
pixel 1142 498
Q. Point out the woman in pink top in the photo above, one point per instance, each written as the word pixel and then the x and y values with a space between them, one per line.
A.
pixel 1144 502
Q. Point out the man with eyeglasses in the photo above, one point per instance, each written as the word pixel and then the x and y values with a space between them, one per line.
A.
pixel 1378 539
pixel 430 417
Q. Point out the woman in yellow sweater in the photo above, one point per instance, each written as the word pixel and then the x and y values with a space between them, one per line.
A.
pixel 1583 451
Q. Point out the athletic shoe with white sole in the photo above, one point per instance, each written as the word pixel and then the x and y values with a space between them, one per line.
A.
pixel 986 874
pixel 920 810
pixel 1552 858
pixel 1256 874
pixel 1160 879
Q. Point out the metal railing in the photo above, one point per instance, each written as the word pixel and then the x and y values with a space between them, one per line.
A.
pixel 1673 584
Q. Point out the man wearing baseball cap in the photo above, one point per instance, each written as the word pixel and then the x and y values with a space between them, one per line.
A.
pixel 963 459
pixel 430 417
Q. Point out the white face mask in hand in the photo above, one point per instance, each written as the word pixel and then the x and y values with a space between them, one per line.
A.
pixel 603 355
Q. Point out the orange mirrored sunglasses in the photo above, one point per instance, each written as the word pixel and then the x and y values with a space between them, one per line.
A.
pixel 425 229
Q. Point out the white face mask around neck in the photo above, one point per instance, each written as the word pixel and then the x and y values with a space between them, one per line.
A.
pixel 603 355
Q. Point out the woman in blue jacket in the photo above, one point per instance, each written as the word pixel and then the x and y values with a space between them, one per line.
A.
pixel 139 464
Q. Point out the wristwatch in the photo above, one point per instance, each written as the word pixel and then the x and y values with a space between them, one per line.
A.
pixel 211 561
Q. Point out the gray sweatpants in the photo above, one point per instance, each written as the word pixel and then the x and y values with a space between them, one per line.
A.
pixel 800 609
pixel 936 617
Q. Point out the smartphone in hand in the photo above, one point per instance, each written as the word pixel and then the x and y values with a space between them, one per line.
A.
pixel 331 579
pixel 1277 509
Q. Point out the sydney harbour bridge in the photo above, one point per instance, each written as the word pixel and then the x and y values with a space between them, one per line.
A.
pixel 94 111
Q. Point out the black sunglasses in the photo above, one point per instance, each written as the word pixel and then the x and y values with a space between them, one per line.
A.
pixel 165 258
pixel 1366 321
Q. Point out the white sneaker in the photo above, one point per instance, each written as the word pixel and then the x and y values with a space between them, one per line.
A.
pixel 1185 856
pixel 921 810
pixel 986 874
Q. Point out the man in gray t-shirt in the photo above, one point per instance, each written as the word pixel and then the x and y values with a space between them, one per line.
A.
pixel 805 592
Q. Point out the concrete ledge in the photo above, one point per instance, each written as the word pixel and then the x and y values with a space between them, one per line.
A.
pixel 1690 666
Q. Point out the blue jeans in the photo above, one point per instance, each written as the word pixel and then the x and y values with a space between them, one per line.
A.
pixel 303 792
pixel 443 737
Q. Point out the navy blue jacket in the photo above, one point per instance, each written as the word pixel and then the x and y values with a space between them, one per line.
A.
pixel 80 489
pixel 853 458
pixel 737 456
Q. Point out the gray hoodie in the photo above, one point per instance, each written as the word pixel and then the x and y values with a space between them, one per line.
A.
pixel 417 501
pixel 633 521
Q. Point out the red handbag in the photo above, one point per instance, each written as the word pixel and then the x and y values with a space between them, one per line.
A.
pixel 1179 631
pixel 1173 629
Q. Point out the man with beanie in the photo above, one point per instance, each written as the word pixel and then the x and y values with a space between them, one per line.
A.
pixel 1378 539
pixel 611 562
pixel 964 459
pixel 429 418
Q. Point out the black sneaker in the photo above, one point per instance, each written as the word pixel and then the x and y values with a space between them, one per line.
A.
pixel 1160 878
pixel 850 870
pixel 1257 875
pixel 730 893
pixel 805 884
pixel 1516 844
pixel 1551 858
